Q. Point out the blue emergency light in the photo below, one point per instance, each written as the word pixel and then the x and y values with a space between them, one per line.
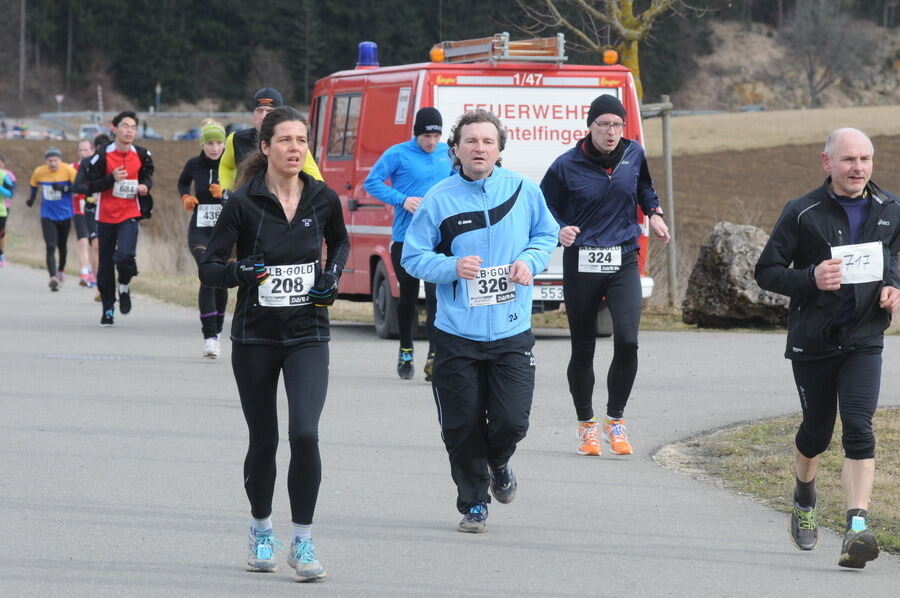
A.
pixel 368 55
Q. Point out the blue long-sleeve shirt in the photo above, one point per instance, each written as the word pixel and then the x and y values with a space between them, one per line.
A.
pixel 501 219
pixel 412 172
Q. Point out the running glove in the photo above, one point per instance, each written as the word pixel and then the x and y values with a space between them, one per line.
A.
pixel 215 189
pixel 30 201
pixel 250 271
pixel 324 292
pixel 189 202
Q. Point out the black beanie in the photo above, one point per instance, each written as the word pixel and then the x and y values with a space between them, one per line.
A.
pixel 428 120
pixel 266 97
pixel 605 104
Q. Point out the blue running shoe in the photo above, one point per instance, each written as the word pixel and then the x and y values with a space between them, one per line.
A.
pixel 262 546
pixel 405 368
pixel 303 559
pixel 475 520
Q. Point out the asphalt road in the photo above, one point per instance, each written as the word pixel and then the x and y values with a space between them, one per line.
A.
pixel 121 454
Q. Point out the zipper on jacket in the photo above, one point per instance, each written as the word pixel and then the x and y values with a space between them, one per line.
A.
pixel 487 216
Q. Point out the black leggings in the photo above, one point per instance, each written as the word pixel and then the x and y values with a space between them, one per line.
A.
pixel 256 371
pixel 584 292
pixel 849 383
pixel 212 300
pixel 56 236
pixel 407 310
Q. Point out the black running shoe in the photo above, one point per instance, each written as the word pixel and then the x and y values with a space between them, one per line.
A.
pixel 405 368
pixel 125 302
pixel 107 318
pixel 475 520
pixel 428 370
pixel 804 529
pixel 503 484
pixel 859 548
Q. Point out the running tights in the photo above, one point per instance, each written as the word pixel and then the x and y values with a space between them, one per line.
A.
pixel 407 308
pixel 256 371
pixel 212 300
pixel 847 383
pixel 584 292
pixel 56 236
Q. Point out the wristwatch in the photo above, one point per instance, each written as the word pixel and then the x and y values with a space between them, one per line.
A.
pixel 655 212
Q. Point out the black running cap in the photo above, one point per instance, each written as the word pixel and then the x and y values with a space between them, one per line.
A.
pixel 266 97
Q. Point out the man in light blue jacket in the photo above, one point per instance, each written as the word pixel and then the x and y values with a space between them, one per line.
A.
pixel 481 236
pixel 412 167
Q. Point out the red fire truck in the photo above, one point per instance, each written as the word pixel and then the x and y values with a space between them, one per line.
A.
pixel 543 102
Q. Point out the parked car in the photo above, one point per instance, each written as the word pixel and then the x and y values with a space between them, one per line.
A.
pixel 187 135
pixel 150 133
pixel 89 131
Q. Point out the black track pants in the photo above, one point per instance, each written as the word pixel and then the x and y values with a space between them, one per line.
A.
pixel 407 311
pixel 56 236
pixel 846 383
pixel 584 292
pixel 117 245
pixel 483 393
pixel 212 300
pixel 256 371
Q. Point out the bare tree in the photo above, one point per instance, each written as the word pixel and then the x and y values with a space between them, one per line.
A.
pixel 594 22
pixel 267 69
pixel 826 47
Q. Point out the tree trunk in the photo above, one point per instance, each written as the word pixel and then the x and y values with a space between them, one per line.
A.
pixel 22 51
pixel 628 50
pixel 69 48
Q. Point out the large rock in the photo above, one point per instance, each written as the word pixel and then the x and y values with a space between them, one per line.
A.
pixel 721 291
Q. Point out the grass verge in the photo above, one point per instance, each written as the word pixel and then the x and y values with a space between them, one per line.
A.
pixel 756 459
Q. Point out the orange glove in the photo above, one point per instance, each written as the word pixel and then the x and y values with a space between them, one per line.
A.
pixel 215 190
pixel 189 202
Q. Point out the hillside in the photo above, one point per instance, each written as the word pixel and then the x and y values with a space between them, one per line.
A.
pixel 749 68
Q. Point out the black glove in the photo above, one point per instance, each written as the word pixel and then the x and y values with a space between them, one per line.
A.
pixel 250 271
pixel 324 292
pixel 60 187
pixel 30 201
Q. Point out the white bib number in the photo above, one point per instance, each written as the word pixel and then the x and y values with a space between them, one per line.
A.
pixel 125 189
pixel 491 286
pixel 863 262
pixel 208 214
pixel 599 259
pixel 287 286
pixel 50 194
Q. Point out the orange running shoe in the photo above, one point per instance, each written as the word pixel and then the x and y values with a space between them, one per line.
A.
pixel 589 438
pixel 614 433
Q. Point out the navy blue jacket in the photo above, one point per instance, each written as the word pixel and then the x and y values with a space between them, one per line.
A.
pixel 604 206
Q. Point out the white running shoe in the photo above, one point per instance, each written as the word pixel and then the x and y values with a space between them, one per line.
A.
pixel 211 347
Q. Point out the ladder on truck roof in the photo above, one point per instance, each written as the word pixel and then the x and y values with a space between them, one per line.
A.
pixel 499 48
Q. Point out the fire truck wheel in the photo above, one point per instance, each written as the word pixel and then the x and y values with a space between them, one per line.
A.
pixel 384 305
